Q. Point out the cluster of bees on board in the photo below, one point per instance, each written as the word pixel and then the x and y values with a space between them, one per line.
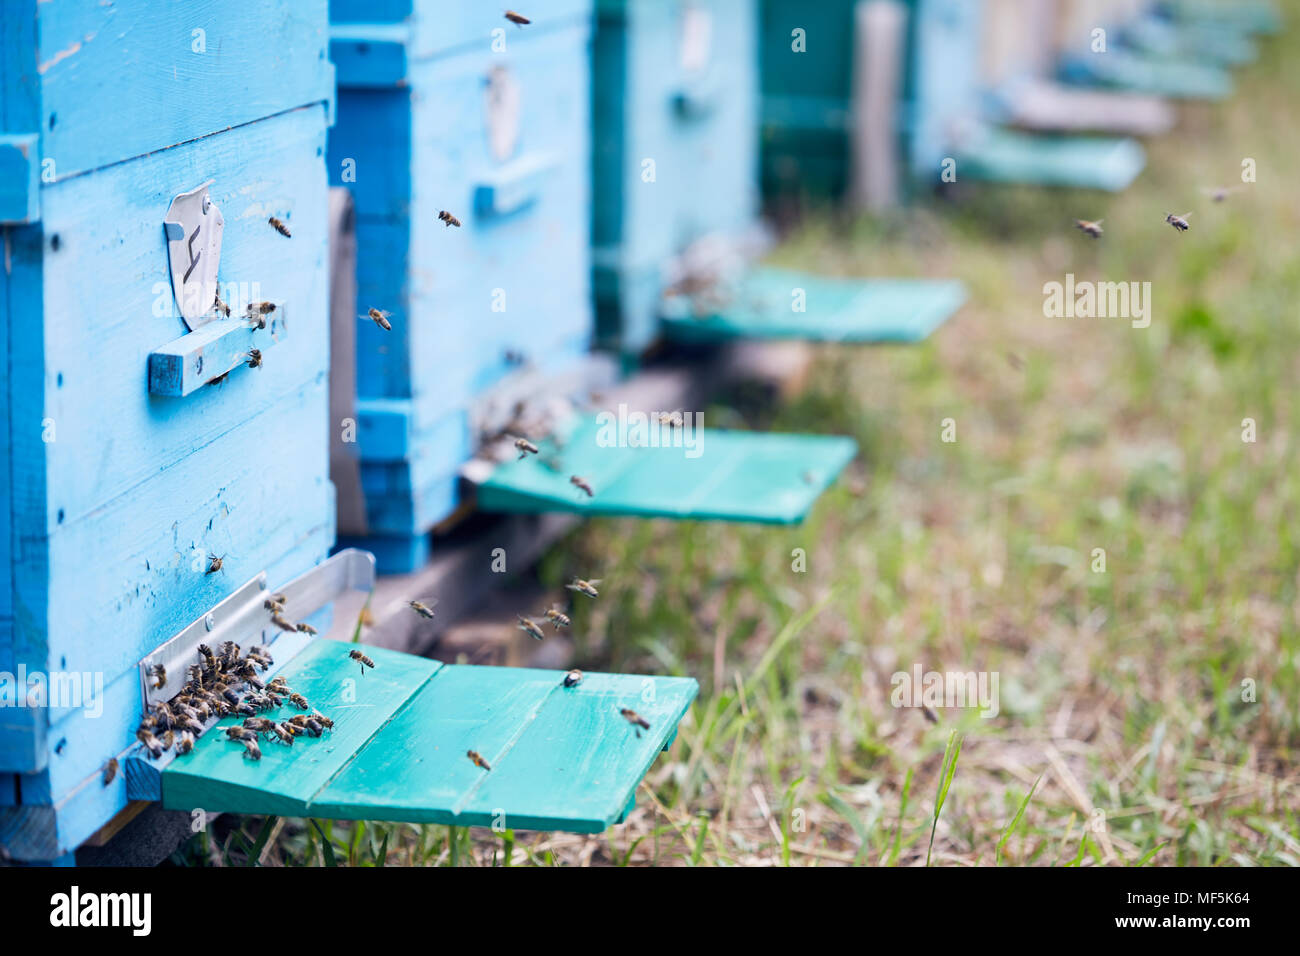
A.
pixel 229 682
pixel 534 627
pixel 1177 221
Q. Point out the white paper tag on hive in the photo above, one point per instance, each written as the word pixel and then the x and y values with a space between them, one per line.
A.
pixel 193 227
pixel 501 107
pixel 697 39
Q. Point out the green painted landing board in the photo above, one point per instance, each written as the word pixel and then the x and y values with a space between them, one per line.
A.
pixel 561 758
pixel 1081 162
pixel 733 476
pixel 763 306
pixel 1160 76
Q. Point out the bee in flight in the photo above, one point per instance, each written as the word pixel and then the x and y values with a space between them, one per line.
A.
pixel 526 448
pixel 584 587
pixel 1220 193
pixel 573 678
pixel 1179 222
pixel 215 564
pixel 670 419
pixel 362 660
pixel 582 484
pixel 531 627
pixel 518 19
pixel 254 358
pixel 448 218
pixel 278 620
pixel 635 719
pixel 1090 228
pixel 557 618
pixel 424 610
pixel 151 743
pixel 475 756
pixel 274 603
pixel 279 227
pixel 159 676
pixel 380 319
pixel 307 629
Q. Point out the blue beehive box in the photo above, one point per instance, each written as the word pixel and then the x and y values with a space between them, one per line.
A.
pixel 123 470
pixel 453 107
pixel 675 153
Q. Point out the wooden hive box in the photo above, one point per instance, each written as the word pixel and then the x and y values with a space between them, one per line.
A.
pixel 452 107
pixel 122 470
pixel 675 153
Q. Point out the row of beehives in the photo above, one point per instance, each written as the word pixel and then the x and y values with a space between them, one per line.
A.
pixel 162 450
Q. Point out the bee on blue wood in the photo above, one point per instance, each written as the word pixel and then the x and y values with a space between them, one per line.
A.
pixel 215 563
pixel 254 358
pixel 307 724
pixel 260 724
pixel 557 618
pixel 448 218
pixel 635 719
pixel 582 485
pixel 573 678
pixel 361 659
pixel 241 733
pixel 261 657
pixel 299 701
pixel 518 19
pixel 280 227
pixel 380 318
pixel 424 610
pixel 280 686
pixel 220 306
pixel 1179 222
pixel 478 760
pixel 322 719
pixel 185 742
pixel 284 734
pixel 159 676
pixel 110 770
pixel 526 448
pixel 219 380
pixel 531 627
pixel 257 313
pixel 1090 228
pixel 584 587
pixel 252 750
pixel 151 743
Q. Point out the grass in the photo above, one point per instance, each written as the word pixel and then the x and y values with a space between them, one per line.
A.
pixel 1149 712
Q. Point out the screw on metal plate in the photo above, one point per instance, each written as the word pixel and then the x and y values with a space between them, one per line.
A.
pixel 244 618
pixel 193 227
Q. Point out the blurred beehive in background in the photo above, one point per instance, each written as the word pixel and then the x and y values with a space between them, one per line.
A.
pixel 117 485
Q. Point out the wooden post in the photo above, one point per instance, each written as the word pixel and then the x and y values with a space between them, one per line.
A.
pixel 879 39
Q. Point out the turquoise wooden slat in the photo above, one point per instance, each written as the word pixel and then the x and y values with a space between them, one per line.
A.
pixel 1253 16
pixel 561 758
pixel 1006 156
pixel 19 178
pixel 185 365
pixel 737 476
pixel 834 309
pixel 1161 37
pixel 1126 69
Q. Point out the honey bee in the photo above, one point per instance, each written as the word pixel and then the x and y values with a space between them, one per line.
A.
pixel 1220 193
pixel 671 419
pixel 261 308
pixel 299 701
pixel 246 708
pixel 240 733
pixel 278 620
pixel 274 603
pixel 582 484
pixel 254 358
pixel 1090 228
pixel 251 749
pixel 259 724
pixel 151 743
pixel 185 742
pixel 477 759
pixel 361 659
pixel 584 587
pixel 159 676
pixel 424 610
pixel 322 719
pixel 573 678
pixel 557 618
pixel 526 448
pixel 517 19
pixel 283 732
pixel 279 685
pixel 307 629
pixel 110 770
pixel 209 661
pixel 929 713
pixel 531 627
pixel 1179 222
pixel 221 306
pixel 215 563
pixel 279 227
pixel 635 719
pixel 380 319
pixel 168 739
pixel 192 725
pixel 448 218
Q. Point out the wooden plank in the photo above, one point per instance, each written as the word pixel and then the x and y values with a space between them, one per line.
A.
pixel 1055 107
pixel 20 181
pixel 880 52
pixel 187 364
pixel 218 777
pixel 1009 156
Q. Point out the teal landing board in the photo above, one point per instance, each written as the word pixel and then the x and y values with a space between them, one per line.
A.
pixel 1141 73
pixel 754 477
pixel 561 758
pixel 834 309
pixel 1079 162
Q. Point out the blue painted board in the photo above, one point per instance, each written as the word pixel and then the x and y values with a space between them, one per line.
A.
pixel 189 363
pixel 785 304
pixel 560 758
pixel 1078 162
pixel 20 178
pixel 711 474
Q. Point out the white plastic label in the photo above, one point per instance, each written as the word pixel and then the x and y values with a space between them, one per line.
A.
pixel 193 227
